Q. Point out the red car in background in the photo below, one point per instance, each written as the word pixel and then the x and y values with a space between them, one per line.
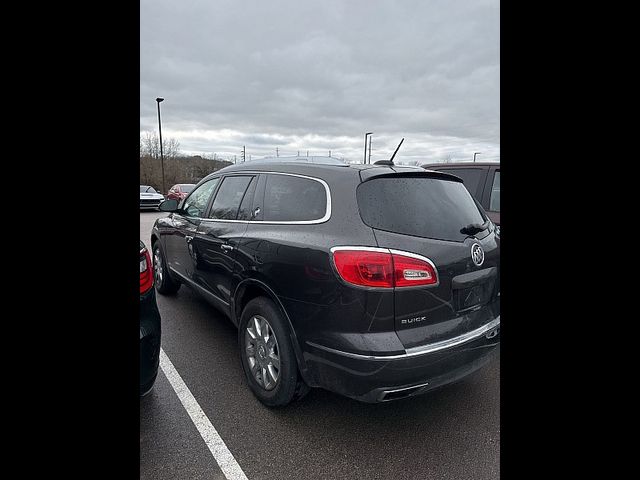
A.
pixel 180 190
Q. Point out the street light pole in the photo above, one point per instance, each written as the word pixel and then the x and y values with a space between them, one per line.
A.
pixel 474 156
pixel 158 100
pixel 365 146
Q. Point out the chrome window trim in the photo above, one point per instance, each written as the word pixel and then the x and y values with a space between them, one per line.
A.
pixel 325 217
pixel 421 350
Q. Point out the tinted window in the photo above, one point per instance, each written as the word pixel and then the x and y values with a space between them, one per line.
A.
pixel 247 202
pixel 494 203
pixel 196 203
pixel 420 206
pixel 470 177
pixel 227 201
pixel 288 198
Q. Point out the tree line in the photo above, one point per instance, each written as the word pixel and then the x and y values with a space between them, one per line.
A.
pixel 178 168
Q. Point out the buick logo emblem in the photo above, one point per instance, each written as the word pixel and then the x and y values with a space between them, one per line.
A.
pixel 477 254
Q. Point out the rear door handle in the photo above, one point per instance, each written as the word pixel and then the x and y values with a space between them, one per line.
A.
pixel 226 248
pixel 188 238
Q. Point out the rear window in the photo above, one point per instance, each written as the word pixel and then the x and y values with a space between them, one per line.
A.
pixel 418 206
pixel 293 199
pixel 186 188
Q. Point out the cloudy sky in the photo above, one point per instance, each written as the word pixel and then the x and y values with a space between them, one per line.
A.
pixel 316 75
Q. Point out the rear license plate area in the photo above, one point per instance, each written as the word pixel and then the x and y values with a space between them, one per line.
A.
pixel 474 297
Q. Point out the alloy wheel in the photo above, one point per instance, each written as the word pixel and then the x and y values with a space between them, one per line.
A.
pixel 157 266
pixel 263 354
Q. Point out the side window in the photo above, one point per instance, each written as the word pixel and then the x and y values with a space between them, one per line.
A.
pixel 227 202
pixel 470 176
pixel 494 203
pixel 245 212
pixel 289 198
pixel 196 204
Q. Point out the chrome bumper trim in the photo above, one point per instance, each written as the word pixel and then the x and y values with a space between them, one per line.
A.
pixel 422 349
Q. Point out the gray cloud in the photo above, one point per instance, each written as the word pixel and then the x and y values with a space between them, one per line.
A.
pixel 317 75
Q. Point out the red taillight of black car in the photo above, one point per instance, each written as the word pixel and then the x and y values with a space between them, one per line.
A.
pixel 383 268
pixel 146 271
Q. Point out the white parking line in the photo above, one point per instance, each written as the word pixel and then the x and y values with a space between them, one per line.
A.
pixel 219 450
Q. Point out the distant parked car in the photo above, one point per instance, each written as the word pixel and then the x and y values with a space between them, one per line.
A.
pixel 179 191
pixel 149 197
pixel 149 324
pixel 481 179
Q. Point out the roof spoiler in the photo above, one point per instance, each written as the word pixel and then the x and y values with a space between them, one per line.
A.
pixel 370 173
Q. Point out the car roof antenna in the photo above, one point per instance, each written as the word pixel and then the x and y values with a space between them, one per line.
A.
pixel 390 161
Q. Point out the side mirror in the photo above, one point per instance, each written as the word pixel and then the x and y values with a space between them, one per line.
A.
pixel 168 205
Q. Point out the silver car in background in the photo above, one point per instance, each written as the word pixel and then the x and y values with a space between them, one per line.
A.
pixel 149 197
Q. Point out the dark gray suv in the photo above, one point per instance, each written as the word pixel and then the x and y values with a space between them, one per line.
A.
pixel 377 282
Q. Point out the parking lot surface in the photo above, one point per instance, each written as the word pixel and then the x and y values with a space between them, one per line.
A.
pixel 451 433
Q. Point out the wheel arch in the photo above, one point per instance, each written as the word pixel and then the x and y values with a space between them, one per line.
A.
pixel 252 288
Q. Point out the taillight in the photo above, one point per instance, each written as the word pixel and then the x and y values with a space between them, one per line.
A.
pixel 365 267
pixel 146 271
pixel 379 267
pixel 411 271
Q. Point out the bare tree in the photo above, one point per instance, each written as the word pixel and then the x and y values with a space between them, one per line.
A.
pixel 170 147
pixel 178 168
pixel 150 146
pixel 150 162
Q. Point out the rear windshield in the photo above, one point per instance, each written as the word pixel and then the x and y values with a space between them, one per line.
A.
pixel 419 206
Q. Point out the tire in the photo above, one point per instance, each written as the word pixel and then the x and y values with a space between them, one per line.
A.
pixel 164 283
pixel 288 385
pixel 146 389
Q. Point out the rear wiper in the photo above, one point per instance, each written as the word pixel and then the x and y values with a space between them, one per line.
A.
pixel 474 228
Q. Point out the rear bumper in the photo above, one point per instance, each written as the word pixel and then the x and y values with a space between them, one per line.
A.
pixel 383 378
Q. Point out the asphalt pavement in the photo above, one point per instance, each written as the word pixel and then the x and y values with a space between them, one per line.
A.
pixel 451 433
